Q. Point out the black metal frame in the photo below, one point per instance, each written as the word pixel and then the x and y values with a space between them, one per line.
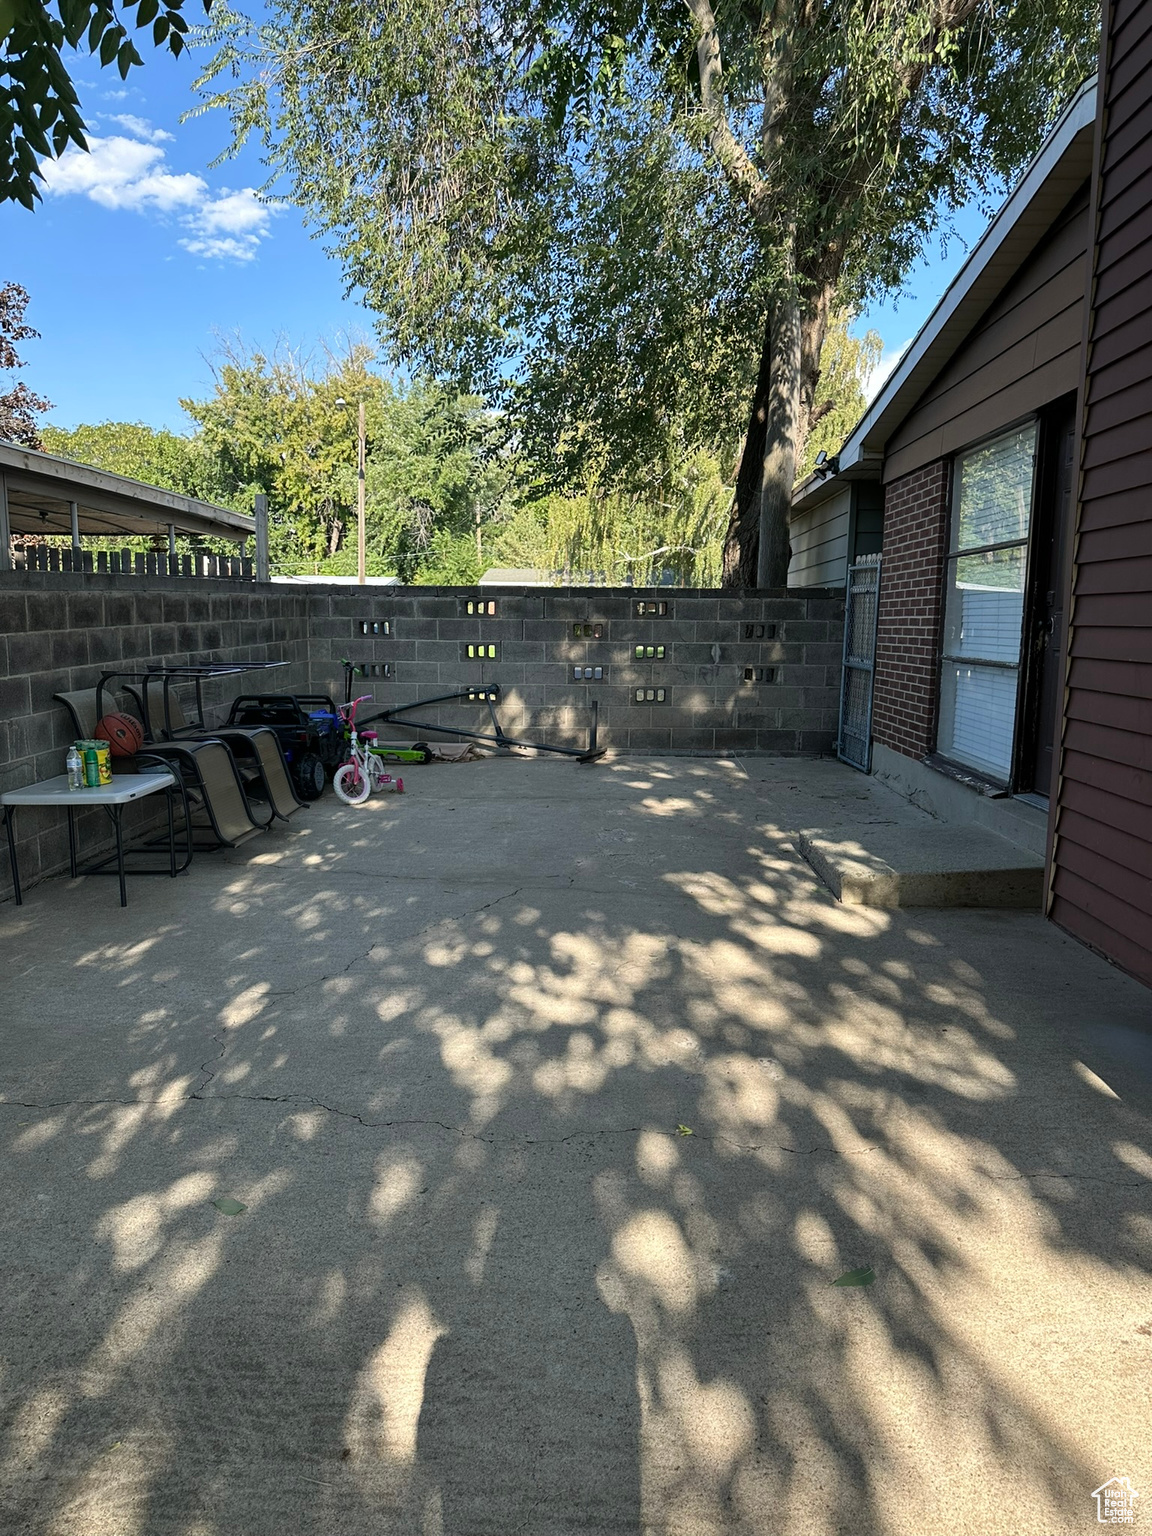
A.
pixel 232 737
pixel 856 659
pixel 487 693
pixel 190 672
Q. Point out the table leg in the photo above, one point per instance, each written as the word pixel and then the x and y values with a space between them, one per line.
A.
pixel 117 817
pixel 171 832
pixel 72 842
pixel 10 828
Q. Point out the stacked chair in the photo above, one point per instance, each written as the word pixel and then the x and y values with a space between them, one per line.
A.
pixel 235 778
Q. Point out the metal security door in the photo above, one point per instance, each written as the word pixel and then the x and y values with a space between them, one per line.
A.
pixel 854 743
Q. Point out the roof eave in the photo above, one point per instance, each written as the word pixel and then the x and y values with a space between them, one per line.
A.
pixel 54 478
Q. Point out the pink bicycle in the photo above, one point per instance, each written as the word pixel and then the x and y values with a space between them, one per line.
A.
pixel 364 771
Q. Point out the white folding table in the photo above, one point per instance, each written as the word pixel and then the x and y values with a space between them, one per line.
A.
pixel 124 788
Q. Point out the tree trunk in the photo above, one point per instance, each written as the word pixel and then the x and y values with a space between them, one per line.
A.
pixel 743 537
pixel 757 550
pixel 778 473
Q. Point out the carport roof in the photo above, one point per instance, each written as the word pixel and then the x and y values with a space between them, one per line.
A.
pixel 41 487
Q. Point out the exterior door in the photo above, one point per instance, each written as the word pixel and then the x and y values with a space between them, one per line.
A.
pixel 1047 681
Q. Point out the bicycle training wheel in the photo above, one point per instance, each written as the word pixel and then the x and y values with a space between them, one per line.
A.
pixel 352 786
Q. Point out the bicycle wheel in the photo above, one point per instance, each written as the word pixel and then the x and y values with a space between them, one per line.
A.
pixel 352 786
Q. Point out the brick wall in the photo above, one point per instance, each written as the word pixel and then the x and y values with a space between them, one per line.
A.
pixel 911 594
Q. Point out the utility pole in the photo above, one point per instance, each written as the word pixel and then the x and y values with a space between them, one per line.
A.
pixel 360 466
pixel 479 545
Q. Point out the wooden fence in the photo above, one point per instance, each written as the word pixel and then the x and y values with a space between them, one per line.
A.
pixel 127 562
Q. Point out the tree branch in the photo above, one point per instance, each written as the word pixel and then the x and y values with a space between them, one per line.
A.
pixel 733 157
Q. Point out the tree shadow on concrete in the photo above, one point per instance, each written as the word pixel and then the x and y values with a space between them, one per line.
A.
pixel 551 1155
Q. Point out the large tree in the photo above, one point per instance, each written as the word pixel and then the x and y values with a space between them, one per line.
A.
pixel 149 454
pixel 286 426
pixel 19 405
pixel 649 208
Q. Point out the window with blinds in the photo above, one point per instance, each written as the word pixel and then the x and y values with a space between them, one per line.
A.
pixel 984 603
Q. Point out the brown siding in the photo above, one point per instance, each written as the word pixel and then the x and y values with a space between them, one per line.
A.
pixel 1024 354
pixel 908 630
pixel 1102 856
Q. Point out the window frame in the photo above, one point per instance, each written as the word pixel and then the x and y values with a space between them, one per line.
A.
pixel 950 556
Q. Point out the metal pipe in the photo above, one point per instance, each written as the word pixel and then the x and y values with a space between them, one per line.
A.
pixel 74 513
pixel 171 540
pixel 489 693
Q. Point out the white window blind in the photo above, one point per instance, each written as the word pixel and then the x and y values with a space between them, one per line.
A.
pixel 984 603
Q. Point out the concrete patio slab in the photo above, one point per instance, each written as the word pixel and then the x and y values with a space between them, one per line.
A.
pixel 557 1097
pixel 923 865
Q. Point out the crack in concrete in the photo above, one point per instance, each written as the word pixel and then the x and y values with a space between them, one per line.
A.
pixel 205 1067
pixel 532 1141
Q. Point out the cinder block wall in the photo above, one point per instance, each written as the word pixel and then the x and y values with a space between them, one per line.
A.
pixel 58 633
pixel 791 642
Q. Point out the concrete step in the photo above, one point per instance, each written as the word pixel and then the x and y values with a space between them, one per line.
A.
pixel 927 865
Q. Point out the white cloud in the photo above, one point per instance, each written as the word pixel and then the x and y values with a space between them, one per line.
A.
pixel 141 128
pixel 124 173
pixel 228 227
pixel 883 370
pixel 235 213
pixel 221 248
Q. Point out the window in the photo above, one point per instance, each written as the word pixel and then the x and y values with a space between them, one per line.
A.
pixel 984 603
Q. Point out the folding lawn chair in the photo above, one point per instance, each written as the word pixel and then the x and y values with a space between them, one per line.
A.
pixel 259 756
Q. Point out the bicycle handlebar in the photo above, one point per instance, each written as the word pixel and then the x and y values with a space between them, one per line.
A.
pixel 349 710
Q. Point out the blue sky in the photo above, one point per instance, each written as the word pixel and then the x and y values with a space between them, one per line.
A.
pixel 140 256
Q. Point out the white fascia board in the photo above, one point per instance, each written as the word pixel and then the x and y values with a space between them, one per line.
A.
pixel 868 437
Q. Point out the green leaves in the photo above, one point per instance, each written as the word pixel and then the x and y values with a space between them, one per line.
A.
pixel 532 205
pixel 227 1206
pixel 36 90
pixel 434 462
pixel 862 1276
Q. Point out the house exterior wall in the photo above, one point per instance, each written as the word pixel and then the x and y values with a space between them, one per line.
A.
pixel 1023 354
pixel 820 543
pixel 1101 888
pixel 911 593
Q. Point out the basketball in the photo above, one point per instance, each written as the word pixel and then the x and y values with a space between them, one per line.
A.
pixel 123 733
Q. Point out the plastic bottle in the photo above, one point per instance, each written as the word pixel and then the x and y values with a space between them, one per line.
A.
pixel 74 767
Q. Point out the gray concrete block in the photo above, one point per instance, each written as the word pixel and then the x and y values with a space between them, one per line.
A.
pixel 778 609
pixel 649 739
pixel 13 613
pixel 15 697
pixel 829 654
pixel 47 610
